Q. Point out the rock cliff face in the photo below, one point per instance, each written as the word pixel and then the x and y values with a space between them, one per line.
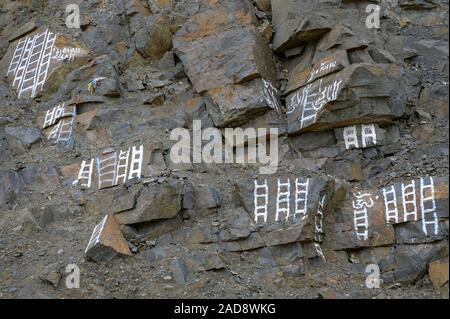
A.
pixel 87 170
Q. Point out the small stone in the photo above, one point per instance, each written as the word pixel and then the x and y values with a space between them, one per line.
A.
pixel 264 5
pixel 327 293
pixel 52 277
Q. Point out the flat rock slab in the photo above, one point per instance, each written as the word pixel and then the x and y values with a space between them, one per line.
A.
pixel 107 241
pixel 155 202
pixel 359 93
pixel 39 61
pixel 367 218
pixel 287 208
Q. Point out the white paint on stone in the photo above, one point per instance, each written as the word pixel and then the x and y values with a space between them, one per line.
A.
pixel 95 237
pixel 261 192
pixel 361 202
pixel 390 204
pixel 409 201
pixel 30 63
pixel 65 54
pixel 85 173
pixel 368 135
pixel 428 205
pixel 137 157
pixel 301 198
pixel 311 103
pixel 283 199
pixel 351 137
pixel 106 170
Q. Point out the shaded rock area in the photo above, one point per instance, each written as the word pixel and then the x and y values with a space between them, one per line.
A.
pixel 87 169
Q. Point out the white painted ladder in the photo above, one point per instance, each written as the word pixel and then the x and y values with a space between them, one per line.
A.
pixel 261 208
pixel 428 206
pixel 409 201
pixel 122 167
pixel 137 156
pixel 390 203
pixel 85 173
pixel 301 197
pixel 283 199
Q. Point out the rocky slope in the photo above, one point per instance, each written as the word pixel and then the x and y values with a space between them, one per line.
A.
pixel 86 117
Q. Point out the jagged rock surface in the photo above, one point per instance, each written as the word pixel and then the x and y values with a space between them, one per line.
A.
pixel 362 118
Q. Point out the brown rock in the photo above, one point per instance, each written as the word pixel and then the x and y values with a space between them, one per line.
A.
pixel 51 276
pixel 28 27
pixel 266 31
pixel 264 5
pixel 327 65
pixel 438 272
pixel 107 241
pixel 213 43
pixel 154 39
pixel 235 104
pixel 53 54
pixel 327 293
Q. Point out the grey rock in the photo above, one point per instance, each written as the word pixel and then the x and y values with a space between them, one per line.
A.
pixel 252 242
pixel 199 262
pixel 22 137
pixel 207 200
pixel 412 261
pixel 237 227
pixel 412 233
pixel 369 97
pixel 287 254
pixel 40 177
pixel 296 22
pixel 179 270
pixel 11 186
pixel 52 276
pixel 313 140
pixel 155 202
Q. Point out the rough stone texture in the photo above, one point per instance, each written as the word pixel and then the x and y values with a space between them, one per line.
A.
pixel 21 138
pixel 360 93
pixel 155 202
pixel 10 187
pixel 438 272
pixel 297 22
pixel 236 104
pixel 191 227
pixel 154 38
pixel 213 42
pixel 382 231
pixel 107 241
